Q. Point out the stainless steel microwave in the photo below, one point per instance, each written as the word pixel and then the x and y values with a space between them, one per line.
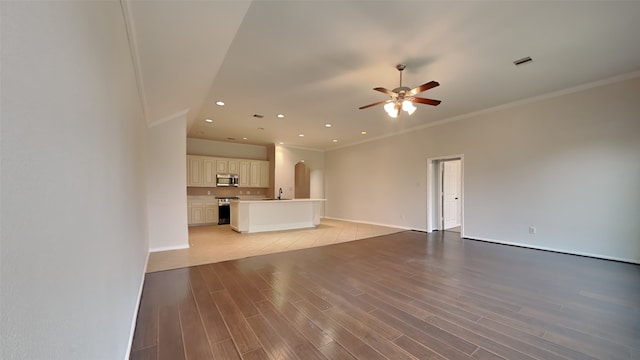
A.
pixel 226 180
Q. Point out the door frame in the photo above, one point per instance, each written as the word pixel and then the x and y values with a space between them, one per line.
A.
pixel 434 192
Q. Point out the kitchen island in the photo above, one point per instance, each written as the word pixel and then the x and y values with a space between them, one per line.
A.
pixel 249 216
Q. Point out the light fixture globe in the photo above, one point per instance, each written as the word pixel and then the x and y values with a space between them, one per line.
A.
pixel 389 107
pixel 408 107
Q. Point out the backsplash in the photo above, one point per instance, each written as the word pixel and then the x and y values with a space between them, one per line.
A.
pixel 226 191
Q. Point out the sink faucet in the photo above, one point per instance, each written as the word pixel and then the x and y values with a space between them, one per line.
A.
pixel 280 194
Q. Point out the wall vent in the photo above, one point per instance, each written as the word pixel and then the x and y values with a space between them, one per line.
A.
pixel 524 60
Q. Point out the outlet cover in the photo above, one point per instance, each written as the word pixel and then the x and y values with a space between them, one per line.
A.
pixel 532 230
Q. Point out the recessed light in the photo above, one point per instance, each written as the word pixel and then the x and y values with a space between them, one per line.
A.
pixel 363 133
pixel 244 138
pixel 281 143
pixel 280 116
pixel 208 120
pixel 301 135
pixel 327 125
pixel 335 140
pixel 220 103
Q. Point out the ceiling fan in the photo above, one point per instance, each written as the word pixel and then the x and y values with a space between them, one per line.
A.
pixel 402 97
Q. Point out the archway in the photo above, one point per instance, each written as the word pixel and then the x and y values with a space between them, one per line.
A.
pixel 302 181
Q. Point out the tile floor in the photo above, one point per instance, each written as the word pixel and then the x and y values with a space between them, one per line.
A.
pixel 210 244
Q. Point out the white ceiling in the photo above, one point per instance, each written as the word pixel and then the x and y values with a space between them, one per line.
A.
pixel 316 62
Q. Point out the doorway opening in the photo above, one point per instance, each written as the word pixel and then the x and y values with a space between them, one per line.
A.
pixel 445 194
pixel 302 185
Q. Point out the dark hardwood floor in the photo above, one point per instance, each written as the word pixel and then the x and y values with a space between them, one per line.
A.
pixel 408 295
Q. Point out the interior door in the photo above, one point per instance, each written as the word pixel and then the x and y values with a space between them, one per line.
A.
pixel 451 189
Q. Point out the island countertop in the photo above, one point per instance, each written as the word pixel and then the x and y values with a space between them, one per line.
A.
pixel 275 200
pixel 272 214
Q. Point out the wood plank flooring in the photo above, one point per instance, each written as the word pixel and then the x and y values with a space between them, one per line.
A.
pixel 408 295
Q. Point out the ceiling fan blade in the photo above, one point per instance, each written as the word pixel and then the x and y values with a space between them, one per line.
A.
pixel 386 91
pixel 423 87
pixel 426 101
pixel 374 104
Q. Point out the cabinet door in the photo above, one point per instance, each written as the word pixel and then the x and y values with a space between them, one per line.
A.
pixel 233 166
pixel 197 213
pixel 264 174
pixel 244 170
pixel 209 172
pixel 222 166
pixel 211 213
pixel 255 174
pixel 194 171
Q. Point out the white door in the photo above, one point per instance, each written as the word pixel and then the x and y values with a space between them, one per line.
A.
pixel 451 200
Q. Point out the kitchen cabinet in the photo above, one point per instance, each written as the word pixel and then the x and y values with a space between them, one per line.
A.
pixel 211 213
pixel 244 169
pixel 222 166
pixel 233 166
pixel 194 170
pixel 264 174
pixel 196 210
pixel 259 176
pixel 254 174
pixel 209 172
pixel 202 171
pixel 202 210
pixel 227 166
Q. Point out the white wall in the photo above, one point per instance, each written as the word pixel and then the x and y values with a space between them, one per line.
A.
pixel 226 149
pixel 73 214
pixel 167 185
pixel 286 159
pixel 568 165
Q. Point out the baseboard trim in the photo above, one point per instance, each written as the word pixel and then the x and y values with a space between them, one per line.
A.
pixel 167 248
pixel 132 331
pixel 560 251
pixel 368 223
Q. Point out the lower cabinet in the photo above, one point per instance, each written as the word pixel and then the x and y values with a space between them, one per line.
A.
pixel 202 210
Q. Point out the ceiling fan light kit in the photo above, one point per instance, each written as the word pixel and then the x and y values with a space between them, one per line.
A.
pixel 402 97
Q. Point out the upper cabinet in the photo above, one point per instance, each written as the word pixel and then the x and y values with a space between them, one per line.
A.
pixel 209 172
pixel 259 173
pixel 244 169
pixel 264 174
pixel 194 171
pixel 227 166
pixel 222 166
pixel 202 171
pixel 233 167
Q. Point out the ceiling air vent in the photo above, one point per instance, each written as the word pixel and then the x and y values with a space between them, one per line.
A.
pixel 524 60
